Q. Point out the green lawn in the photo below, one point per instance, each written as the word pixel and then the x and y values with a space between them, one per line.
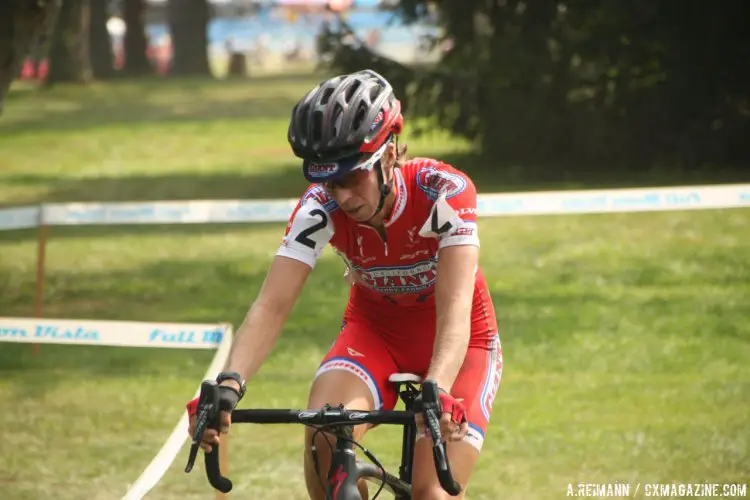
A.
pixel 626 336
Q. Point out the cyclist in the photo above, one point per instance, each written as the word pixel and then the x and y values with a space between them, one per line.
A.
pixel 389 218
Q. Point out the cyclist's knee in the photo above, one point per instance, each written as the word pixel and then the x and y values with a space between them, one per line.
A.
pixel 337 387
pixel 323 442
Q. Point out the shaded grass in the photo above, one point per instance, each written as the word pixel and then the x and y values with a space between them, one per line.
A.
pixel 194 139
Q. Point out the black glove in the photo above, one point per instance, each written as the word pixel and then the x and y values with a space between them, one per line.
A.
pixel 228 398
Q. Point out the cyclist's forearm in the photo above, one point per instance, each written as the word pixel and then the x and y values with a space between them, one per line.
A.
pixel 451 344
pixel 453 301
pixel 255 339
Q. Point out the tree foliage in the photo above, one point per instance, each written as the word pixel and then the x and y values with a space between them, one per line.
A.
pixel 582 83
pixel 22 22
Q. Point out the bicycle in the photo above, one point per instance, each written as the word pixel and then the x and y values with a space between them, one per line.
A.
pixel 345 469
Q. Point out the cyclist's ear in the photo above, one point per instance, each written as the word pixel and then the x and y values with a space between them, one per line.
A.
pixel 391 154
pixel 388 161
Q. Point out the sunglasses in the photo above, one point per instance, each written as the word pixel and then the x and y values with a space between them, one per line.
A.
pixel 365 164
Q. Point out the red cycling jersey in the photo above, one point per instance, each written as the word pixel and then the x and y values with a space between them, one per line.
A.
pixel 435 207
pixel 390 321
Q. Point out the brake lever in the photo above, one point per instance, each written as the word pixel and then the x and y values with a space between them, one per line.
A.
pixel 207 416
pixel 432 413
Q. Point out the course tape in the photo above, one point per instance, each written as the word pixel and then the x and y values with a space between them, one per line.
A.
pixel 504 204
pixel 615 200
pixel 166 456
pixel 111 333
pixel 131 334
pixel 19 218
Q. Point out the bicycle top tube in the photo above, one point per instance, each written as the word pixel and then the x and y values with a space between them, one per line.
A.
pixel 323 416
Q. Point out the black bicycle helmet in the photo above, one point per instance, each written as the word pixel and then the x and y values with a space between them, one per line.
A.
pixel 340 120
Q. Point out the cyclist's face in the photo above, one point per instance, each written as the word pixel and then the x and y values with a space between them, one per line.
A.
pixel 357 193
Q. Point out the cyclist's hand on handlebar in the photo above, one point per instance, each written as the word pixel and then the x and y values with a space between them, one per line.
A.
pixel 228 399
pixel 453 423
pixel 210 436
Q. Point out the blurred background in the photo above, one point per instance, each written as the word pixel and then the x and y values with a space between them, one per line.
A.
pixel 578 85
pixel 271 36
pixel 625 335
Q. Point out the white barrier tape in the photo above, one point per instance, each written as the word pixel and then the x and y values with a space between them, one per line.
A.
pixel 19 218
pixel 615 200
pixel 111 333
pixel 163 460
pixel 168 212
pixel 529 203
pixel 131 334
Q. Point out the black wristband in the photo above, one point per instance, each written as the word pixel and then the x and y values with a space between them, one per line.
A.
pixel 221 377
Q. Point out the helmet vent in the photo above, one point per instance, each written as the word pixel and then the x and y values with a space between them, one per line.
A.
pixel 326 95
pixel 317 126
pixel 338 119
pixel 302 126
pixel 375 92
pixel 351 90
pixel 360 116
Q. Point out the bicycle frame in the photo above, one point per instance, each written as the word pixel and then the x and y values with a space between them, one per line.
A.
pixel 344 472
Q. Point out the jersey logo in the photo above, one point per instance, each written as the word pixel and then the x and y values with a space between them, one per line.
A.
pixel 354 353
pixel 321 196
pixel 359 246
pixel 322 169
pixel 412 234
pixel 493 377
pixel 413 278
pixel 435 182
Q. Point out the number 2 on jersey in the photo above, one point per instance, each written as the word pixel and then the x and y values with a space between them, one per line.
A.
pixel 303 236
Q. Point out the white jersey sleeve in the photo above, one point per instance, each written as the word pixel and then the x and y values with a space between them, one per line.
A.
pixel 309 230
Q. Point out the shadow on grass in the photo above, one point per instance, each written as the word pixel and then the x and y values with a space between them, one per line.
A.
pixel 492 175
pixel 167 291
pixel 152 100
pixel 273 180
pixel 284 180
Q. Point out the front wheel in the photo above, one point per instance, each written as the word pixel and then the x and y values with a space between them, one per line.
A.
pixel 401 490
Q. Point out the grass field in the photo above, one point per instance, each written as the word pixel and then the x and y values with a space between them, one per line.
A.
pixel 626 337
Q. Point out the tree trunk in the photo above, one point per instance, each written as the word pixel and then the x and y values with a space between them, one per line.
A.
pixel 69 48
pixel 188 24
pixel 102 59
pixel 136 60
pixel 22 22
